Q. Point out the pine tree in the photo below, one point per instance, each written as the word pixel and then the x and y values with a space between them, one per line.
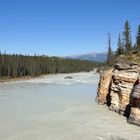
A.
pixel 135 48
pixel 110 52
pixel 120 49
pixel 138 39
pixel 127 38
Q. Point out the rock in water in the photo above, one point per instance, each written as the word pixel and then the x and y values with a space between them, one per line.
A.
pixel 68 77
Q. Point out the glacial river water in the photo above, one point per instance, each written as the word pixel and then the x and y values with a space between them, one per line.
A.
pixel 54 108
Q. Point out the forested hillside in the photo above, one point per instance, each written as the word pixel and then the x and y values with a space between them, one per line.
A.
pixel 24 65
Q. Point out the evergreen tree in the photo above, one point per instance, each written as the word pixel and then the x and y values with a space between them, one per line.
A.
pixel 110 52
pixel 127 38
pixel 138 39
pixel 120 49
pixel 135 48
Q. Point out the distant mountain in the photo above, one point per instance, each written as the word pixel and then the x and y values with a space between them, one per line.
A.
pixel 100 57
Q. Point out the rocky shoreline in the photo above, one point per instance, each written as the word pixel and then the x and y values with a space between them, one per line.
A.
pixel 116 89
pixel 9 79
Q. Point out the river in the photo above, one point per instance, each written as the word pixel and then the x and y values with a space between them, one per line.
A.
pixel 54 108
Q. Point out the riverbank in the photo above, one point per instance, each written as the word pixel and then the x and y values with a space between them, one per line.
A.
pixel 9 79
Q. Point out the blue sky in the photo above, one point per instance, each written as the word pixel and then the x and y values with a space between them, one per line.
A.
pixel 64 27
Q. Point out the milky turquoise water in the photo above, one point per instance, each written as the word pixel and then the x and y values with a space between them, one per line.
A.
pixel 54 108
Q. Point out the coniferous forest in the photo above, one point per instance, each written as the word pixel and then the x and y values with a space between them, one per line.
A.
pixel 14 65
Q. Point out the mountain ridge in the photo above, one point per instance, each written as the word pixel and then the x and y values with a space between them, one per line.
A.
pixel 99 57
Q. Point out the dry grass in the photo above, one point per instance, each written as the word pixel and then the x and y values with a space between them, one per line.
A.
pixel 127 58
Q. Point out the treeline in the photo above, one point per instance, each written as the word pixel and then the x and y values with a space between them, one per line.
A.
pixel 14 65
pixel 124 45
